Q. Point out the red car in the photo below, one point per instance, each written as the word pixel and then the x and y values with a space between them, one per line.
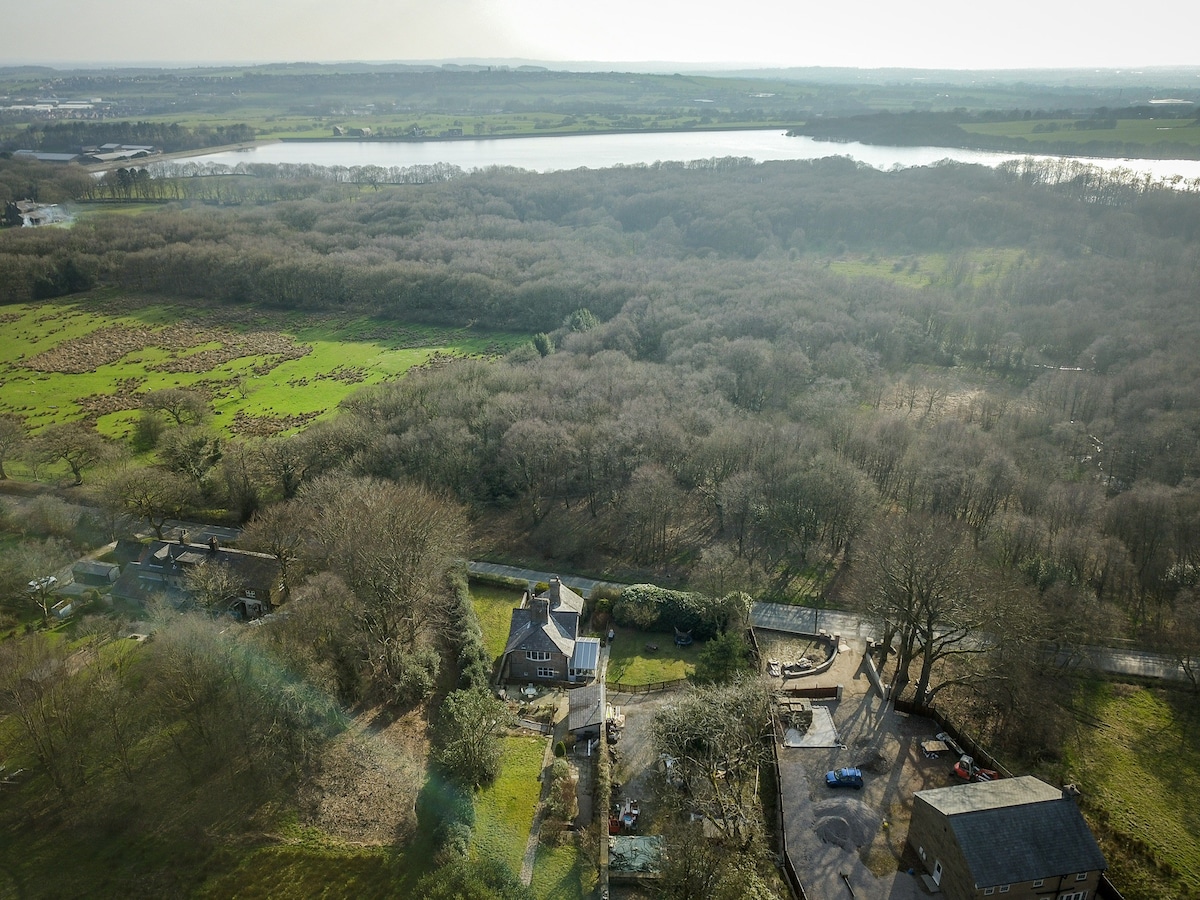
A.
pixel 966 769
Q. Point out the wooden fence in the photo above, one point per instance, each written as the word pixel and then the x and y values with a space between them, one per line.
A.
pixel 617 687
pixel 969 745
pixel 833 692
pixel 789 871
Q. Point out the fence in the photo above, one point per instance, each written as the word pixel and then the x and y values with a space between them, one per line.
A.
pixel 968 744
pixel 833 692
pixel 617 687
pixel 789 870
pixel 540 727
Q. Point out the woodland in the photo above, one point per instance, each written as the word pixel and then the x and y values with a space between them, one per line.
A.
pixel 963 400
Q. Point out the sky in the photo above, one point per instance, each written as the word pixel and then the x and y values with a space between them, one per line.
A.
pixel 940 34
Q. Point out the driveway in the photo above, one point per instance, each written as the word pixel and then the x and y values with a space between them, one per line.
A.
pixel 858 834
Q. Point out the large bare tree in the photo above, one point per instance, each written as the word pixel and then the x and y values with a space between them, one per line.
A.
pixel 921 576
pixel 394 545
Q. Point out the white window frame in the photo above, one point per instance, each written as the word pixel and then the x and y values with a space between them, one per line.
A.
pixel 1039 882
pixel 537 655
pixel 1082 876
pixel 1077 895
pixel 1004 888
pixel 547 672
pixel 987 892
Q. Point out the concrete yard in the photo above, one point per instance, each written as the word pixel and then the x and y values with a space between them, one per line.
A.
pixel 857 833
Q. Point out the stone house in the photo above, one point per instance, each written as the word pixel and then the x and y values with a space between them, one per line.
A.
pixel 544 644
pixel 1017 838
pixel 163 567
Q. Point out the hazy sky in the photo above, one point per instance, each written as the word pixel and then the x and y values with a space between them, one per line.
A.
pixel 868 33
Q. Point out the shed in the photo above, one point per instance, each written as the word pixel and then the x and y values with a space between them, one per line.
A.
pixel 587 709
pixel 96 574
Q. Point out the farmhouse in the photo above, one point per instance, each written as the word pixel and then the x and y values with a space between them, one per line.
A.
pixel 164 566
pixel 1019 837
pixel 544 642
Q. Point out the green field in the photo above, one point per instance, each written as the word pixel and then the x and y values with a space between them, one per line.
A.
pixel 923 270
pixel 1147 132
pixel 1136 758
pixel 558 873
pixel 494 606
pixel 263 373
pixel 504 810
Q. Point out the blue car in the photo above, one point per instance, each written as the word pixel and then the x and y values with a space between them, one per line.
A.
pixel 851 778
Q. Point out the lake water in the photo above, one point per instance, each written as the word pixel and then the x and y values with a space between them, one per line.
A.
pixel 598 151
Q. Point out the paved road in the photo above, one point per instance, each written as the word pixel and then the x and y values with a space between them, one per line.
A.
pixel 584 586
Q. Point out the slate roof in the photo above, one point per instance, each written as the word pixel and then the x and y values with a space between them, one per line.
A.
pixel 562 598
pixel 526 633
pixel 587 707
pixel 165 559
pixel 557 634
pixel 1017 829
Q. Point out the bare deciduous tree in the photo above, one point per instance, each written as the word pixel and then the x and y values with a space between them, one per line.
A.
pixel 12 439
pixel 79 446
pixel 716 737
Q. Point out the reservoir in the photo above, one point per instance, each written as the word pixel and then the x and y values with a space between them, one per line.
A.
pixel 600 151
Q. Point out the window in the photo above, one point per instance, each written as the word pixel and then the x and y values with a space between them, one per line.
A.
pixel 1082 876
pixel 989 892
pixel 921 851
pixel 546 672
pixel 1004 888
pixel 537 655
pixel 1078 895
pixel 1039 882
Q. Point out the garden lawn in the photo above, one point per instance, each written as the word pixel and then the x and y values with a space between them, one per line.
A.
pixel 504 810
pixel 1137 771
pixel 629 662
pixel 558 873
pixel 494 606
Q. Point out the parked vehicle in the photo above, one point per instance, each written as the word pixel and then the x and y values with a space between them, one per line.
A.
pixel 851 778
pixel 966 769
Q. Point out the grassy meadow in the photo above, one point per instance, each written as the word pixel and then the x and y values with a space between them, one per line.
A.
pixel 263 373
pixel 1135 755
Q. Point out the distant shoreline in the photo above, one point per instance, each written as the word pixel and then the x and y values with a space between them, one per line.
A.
pixel 591 132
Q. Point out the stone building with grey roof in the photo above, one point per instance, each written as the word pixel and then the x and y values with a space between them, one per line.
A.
pixel 162 570
pixel 1019 838
pixel 544 644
